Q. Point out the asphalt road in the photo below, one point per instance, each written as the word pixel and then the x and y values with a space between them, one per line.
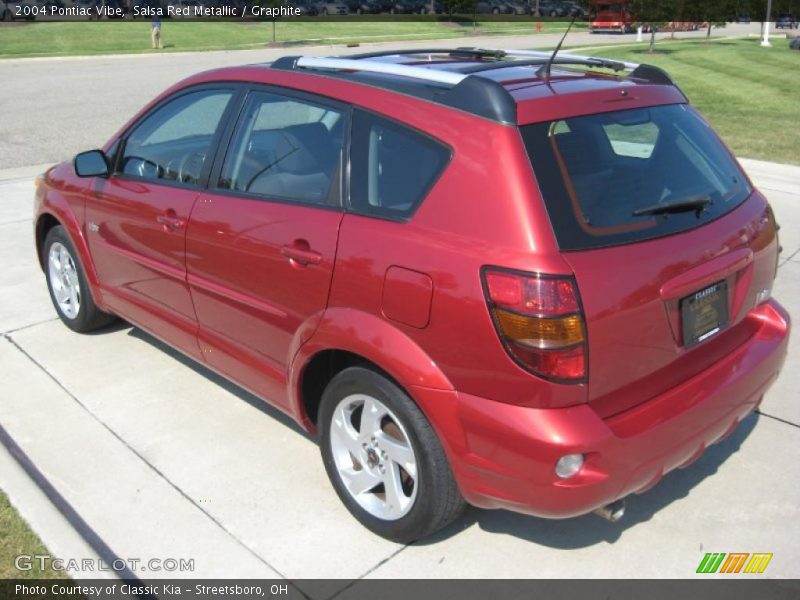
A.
pixel 53 108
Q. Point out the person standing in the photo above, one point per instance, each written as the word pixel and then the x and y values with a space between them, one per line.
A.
pixel 155 33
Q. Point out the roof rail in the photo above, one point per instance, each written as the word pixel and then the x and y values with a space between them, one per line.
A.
pixel 458 88
pixel 641 71
pixel 374 66
pixel 476 95
pixel 460 52
pixel 567 54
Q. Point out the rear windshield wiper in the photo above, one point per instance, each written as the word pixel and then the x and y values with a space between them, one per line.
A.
pixel 696 203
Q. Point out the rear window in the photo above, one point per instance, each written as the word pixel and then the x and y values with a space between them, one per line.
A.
pixel 632 175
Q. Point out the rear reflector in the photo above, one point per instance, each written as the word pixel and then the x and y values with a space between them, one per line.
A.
pixel 539 320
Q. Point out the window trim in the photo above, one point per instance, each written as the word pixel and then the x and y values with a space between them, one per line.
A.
pixel 230 129
pixel 121 143
pixel 348 205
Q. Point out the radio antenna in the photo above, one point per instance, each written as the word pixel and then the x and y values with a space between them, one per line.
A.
pixel 545 70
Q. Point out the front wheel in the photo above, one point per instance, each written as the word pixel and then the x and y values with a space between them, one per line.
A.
pixel 384 459
pixel 66 281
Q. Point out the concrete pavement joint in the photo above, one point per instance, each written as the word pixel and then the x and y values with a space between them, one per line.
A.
pixel 24 327
pixel 368 571
pixel 790 423
pixel 28 220
pixel 788 258
pixel 146 462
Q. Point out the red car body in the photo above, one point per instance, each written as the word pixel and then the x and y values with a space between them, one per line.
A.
pixel 217 277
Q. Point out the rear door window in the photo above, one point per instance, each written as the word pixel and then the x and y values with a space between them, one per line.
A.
pixel 631 175
pixel 287 149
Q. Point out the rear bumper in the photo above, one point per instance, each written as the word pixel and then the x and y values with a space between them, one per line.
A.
pixel 503 456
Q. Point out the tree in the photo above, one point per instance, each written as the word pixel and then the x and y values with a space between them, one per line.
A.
pixel 714 13
pixel 657 14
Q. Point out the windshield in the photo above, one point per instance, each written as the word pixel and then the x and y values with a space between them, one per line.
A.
pixel 630 175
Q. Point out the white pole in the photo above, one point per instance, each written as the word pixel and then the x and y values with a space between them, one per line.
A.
pixel 639 37
pixel 765 40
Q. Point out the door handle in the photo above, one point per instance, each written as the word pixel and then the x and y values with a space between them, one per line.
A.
pixel 169 221
pixel 300 253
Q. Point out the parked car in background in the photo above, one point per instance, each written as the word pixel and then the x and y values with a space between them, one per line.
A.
pixel 473 293
pixel 364 7
pixel 742 18
pixel 18 10
pixel 549 8
pixel 436 7
pixel 139 8
pixel 494 7
pixel 518 7
pixel 786 21
pixel 575 10
pixel 332 7
pixel 115 4
pixel 307 8
pixel 402 7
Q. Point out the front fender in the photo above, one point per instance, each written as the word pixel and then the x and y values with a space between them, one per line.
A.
pixel 372 338
pixel 66 207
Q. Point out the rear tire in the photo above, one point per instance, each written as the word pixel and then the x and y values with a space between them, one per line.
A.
pixel 384 459
pixel 66 282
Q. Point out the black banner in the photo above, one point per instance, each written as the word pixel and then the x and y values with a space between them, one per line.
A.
pixel 376 589
pixel 655 12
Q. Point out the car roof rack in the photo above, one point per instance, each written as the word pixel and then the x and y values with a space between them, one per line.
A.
pixel 459 87
pixel 477 95
pixel 460 52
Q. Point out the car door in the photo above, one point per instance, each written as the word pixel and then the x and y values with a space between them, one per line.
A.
pixel 136 218
pixel 261 243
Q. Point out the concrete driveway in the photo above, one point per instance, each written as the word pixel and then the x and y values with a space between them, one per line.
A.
pixel 160 458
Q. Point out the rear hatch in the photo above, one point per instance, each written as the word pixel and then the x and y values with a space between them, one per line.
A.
pixel 670 245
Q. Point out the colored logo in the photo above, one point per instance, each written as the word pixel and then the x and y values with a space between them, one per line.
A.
pixel 734 562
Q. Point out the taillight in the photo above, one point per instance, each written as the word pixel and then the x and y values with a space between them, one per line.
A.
pixel 540 322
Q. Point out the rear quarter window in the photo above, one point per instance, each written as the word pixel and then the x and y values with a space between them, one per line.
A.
pixel 393 167
pixel 606 178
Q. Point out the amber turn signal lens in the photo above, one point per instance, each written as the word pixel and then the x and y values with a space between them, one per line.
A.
pixel 540 332
pixel 540 321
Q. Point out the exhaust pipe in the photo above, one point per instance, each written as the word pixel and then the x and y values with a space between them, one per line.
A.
pixel 612 512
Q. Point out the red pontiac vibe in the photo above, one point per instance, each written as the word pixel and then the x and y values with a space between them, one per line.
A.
pixel 482 276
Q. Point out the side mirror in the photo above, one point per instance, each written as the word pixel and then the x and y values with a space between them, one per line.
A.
pixel 91 164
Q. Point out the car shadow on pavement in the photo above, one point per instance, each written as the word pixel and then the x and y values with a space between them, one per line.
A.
pixel 578 532
pixel 590 529
pixel 219 380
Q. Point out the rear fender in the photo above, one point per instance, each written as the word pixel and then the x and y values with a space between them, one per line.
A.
pixel 375 340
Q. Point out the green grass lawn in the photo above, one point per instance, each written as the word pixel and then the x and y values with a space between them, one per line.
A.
pixel 750 94
pixel 65 39
pixel 16 538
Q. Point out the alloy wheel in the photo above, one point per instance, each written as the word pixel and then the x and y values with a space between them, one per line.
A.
pixel 64 280
pixel 374 457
